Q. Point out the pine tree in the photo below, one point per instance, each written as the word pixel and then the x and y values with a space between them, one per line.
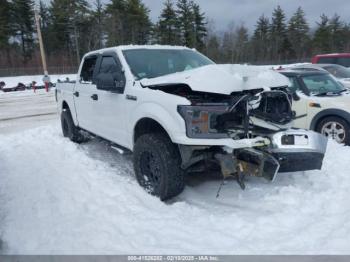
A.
pixel 98 25
pixel 228 44
pixel 22 15
pixel 278 35
pixel 338 34
pixel 347 37
pixel 4 23
pixel 68 28
pixel 138 22
pixel 168 31
pixel 298 34
pixel 45 23
pixel 322 36
pixel 260 40
pixel 241 45
pixel 213 48
pixel 116 13
pixel 186 22
pixel 130 22
pixel 200 29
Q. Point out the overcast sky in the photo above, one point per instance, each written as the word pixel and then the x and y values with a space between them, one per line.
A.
pixel 247 11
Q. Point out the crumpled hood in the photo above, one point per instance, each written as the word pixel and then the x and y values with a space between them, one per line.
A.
pixel 222 79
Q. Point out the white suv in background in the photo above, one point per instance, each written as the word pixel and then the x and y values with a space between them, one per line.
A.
pixel 321 103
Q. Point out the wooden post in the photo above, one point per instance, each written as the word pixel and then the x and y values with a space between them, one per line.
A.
pixel 41 44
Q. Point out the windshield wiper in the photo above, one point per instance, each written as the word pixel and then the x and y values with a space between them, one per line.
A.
pixel 342 91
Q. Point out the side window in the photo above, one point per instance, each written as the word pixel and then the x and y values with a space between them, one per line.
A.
pixel 109 65
pixel 295 86
pixel 326 60
pixel 88 68
pixel 344 61
pixel 110 76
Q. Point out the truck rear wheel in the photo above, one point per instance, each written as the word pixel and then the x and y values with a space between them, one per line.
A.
pixel 69 129
pixel 157 166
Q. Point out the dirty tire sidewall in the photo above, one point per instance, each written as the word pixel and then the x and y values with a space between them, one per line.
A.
pixel 339 120
pixel 167 159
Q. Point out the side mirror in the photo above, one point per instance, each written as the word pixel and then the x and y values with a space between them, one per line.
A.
pixel 113 82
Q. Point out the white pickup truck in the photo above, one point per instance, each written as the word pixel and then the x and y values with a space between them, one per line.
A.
pixel 179 112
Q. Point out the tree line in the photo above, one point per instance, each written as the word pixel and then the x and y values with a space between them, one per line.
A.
pixel 71 28
pixel 278 40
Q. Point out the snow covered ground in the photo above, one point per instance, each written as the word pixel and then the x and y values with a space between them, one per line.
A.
pixel 24 109
pixel 57 197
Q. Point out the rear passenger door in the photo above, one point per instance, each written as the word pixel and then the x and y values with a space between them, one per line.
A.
pixel 84 89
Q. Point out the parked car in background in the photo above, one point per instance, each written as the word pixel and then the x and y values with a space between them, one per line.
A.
pixel 323 102
pixel 341 73
pixel 19 87
pixel 339 59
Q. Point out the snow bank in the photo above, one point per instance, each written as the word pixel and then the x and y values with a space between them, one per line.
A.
pixel 12 81
pixel 58 197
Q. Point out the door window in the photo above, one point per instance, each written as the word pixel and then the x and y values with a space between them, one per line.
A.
pixel 88 68
pixel 326 60
pixel 108 65
pixel 344 61
pixel 295 86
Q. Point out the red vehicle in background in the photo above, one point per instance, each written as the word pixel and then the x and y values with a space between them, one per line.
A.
pixel 339 59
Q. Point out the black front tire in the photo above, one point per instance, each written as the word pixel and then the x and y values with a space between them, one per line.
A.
pixel 157 165
pixel 68 127
pixel 340 123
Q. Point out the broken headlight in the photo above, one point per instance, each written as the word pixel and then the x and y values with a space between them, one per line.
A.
pixel 201 120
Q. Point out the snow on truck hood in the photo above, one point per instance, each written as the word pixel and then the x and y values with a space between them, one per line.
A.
pixel 222 79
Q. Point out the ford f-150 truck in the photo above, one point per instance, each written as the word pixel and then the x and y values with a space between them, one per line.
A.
pixel 179 112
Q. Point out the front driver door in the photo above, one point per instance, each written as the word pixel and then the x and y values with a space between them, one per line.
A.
pixel 110 107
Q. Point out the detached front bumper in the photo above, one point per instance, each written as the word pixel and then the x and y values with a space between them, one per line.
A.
pixel 298 150
pixel 289 151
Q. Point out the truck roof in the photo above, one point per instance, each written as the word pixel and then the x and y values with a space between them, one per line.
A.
pixel 129 47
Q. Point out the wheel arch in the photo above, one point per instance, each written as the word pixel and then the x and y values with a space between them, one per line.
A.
pixel 332 112
pixel 147 125
pixel 65 105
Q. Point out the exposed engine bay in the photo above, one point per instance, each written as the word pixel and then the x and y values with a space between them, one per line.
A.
pixel 239 115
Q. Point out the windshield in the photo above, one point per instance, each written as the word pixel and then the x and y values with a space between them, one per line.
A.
pixel 150 63
pixel 319 84
pixel 338 71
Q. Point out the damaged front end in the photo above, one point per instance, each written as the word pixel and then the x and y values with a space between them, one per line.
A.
pixel 254 123
pixel 248 115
